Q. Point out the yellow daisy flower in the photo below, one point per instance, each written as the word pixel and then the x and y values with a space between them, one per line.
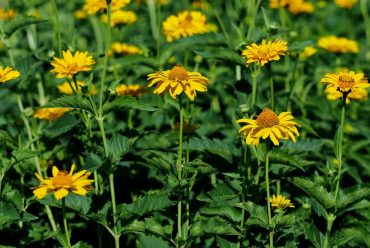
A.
pixel 280 202
pixel 347 4
pixel 307 52
pixel 120 17
pixel 124 49
pixel 7 15
pixel 130 90
pixel 63 182
pixel 65 88
pixel 338 44
pixel 70 64
pixel 359 94
pixel 346 82
pixel 93 6
pixel 186 23
pixel 50 114
pixel 275 4
pixel 300 6
pixel 268 124
pixel 178 80
pixel 7 74
pixel 200 5
pixel 265 52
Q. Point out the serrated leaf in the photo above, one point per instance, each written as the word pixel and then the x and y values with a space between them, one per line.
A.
pixel 21 155
pixel 12 26
pixel 74 102
pixel 151 242
pixel 226 211
pixel 124 102
pixel 223 243
pixel 76 202
pixel 222 54
pixel 278 156
pixel 222 192
pixel 352 195
pixel 118 146
pixel 221 148
pixel 314 235
pixel 316 191
pixel 5 138
pixel 8 213
pixel 61 126
pixel 258 215
pixel 81 244
pixel 213 225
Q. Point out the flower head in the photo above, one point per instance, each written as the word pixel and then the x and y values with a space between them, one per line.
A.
pixel 65 88
pixel 93 6
pixel 80 14
pixel 338 44
pixel 265 52
pixel 63 182
pixel 345 82
pixel 7 15
pixel 280 202
pixel 130 90
pixel 294 6
pixel 124 49
pixel 347 4
pixel 70 64
pixel 7 74
pixel 359 94
pixel 120 17
pixel 50 114
pixel 178 80
pixel 268 124
pixel 307 52
pixel 186 23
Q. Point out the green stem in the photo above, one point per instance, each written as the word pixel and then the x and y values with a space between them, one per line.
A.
pixel 57 23
pixel 68 239
pixel 244 177
pixel 340 141
pixel 254 75
pixel 364 11
pixel 187 207
pixel 114 209
pixel 271 232
pixel 96 183
pixel 272 93
pixel 179 170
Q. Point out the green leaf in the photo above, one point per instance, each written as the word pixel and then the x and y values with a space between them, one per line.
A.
pixel 61 126
pixel 316 191
pixel 151 242
pixel 222 192
pixel 21 155
pixel 76 202
pixel 343 236
pixel 82 244
pixel 124 102
pixel 226 211
pixel 278 156
pixel 353 195
pixel 8 213
pixel 222 54
pixel 212 225
pixel 258 215
pixel 223 243
pixel 314 235
pixel 118 146
pixel 157 227
pixel 74 102
pixel 300 45
pixel 12 26
pixel 5 138
pixel 336 143
pixel 221 148
pixel 303 145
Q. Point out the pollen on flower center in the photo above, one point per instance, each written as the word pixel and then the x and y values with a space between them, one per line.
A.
pixel 178 73
pixel 345 81
pixel 267 119
pixel 63 178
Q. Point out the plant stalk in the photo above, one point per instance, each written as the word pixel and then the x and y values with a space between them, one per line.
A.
pixel 66 231
pixel 271 232
pixel 179 171
pixel 340 141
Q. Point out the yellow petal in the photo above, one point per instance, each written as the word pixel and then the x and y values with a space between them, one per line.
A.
pixel 61 193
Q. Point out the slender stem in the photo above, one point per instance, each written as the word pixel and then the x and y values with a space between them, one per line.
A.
pixel 254 75
pixel 114 209
pixel 340 141
pixel 244 177
pixel 272 93
pixel 364 11
pixel 271 232
pixel 96 183
pixel 179 170
pixel 65 223
pixel 57 23
pixel 188 190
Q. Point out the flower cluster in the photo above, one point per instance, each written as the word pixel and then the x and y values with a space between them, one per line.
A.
pixel 94 6
pixel 124 49
pixel 265 52
pixel 347 4
pixel 7 74
pixel 294 6
pixel 50 114
pixel 338 44
pixel 130 90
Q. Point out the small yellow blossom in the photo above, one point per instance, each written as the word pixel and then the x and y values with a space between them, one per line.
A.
pixel 7 74
pixel 130 90
pixel 347 4
pixel 7 15
pixel 70 65
pixel 50 114
pixel 80 14
pixel 307 52
pixel 63 182
pixel 186 23
pixel 200 5
pixel 359 94
pixel 124 49
pixel 65 88
pixel 338 44
pixel 178 80
pixel 94 6
pixel 346 82
pixel 294 6
pixel 120 17
pixel 280 202
pixel 265 52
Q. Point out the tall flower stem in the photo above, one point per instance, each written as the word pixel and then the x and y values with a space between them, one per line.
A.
pixel 179 170
pixel 271 232
pixel 244 178
pixel 254 75
pixel 188 190
pixel 57 27
pixel 114 209
pixel 65 224
pixel 340 141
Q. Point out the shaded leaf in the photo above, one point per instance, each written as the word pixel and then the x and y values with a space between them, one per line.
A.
pixel 12 26
pixel 124 102
pixel 74 102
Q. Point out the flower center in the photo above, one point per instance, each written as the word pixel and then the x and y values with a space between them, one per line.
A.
pixel 62 179
pixel 178 73
pixel 267 119
pixel 346 81
pixel 186 23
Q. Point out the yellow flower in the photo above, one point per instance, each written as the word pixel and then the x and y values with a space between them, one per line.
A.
pixel 50 114
pixel 359 94
pixel 178 80
pixel 265 52
pixel 186 23
pixel 130 90
pixel 338 45
pixel 65 88
pixel 93 6
pixel 200 5
pixel 7 15
pixel 345 82
pixel 63 182
pixel 7 74
pixel 120 17
pixel 299 6
pixel 348 4
pixel 280 202
pixel 70 64
pixel 268 124
pixel 124 49
pixel 80 14
pixel 307 52
pixel 275 4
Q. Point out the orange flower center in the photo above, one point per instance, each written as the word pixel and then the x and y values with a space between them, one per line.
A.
pixel 178 73
pixel 186 23
pixel 267 119
pixel 62 179
pixel 346 81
